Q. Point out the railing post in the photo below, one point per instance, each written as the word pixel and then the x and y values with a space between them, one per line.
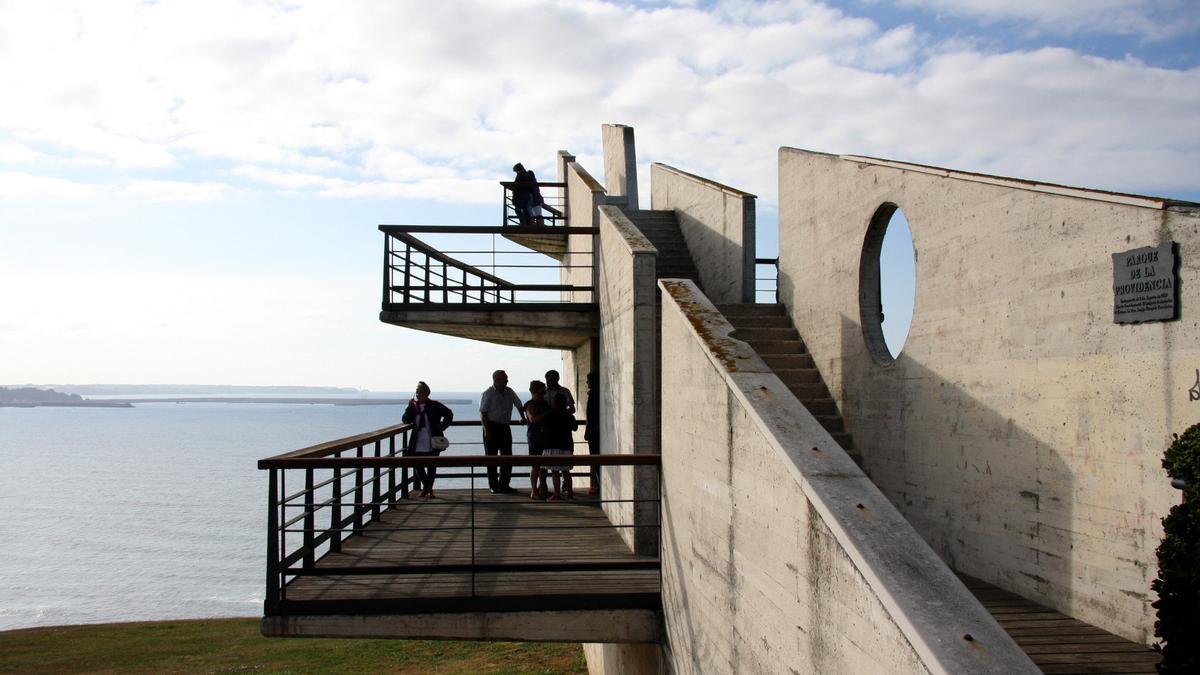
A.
pixel 375 496
pixel 445 284
pixel 271 601
pixel 404 469
pixel 310 520
pixel 358 492
pixel 407 293
pixel 473 527
pixel 335 509
pixel 387 240
pixel 391 470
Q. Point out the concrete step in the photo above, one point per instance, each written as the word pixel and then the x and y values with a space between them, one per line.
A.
pixel 832 423
pixel 757 333
pixel 792 376
pixel 807 391
pixel 784 362
pixel 778 346
pixel 821 406
pixel 770 321
pixel 751 309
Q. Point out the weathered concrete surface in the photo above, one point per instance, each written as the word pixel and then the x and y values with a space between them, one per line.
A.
pixel 1020 431
pixel 563 329
pixel 616 626
pixel 623 659
pixel 779 554
pixel 620 165
pixel 718 224
pixel 628 374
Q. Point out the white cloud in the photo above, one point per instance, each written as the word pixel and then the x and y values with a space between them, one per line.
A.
pixel 20 185
pixel 1148 19
pixel 437 100
pixel 176 191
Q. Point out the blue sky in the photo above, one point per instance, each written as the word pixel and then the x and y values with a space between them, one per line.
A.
pixel 189 192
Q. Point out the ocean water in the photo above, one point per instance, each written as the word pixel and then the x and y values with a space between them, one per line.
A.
pixel 152 512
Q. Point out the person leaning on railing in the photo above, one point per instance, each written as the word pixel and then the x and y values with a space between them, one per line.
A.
pixel 429 419
pixel 524 187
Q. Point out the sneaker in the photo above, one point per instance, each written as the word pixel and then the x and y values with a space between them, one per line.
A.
pixel 553 498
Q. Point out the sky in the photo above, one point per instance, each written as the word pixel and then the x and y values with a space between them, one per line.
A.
pixel 190 192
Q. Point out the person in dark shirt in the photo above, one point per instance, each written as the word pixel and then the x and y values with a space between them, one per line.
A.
pixel 536 410
pixel 559 427
pixel 522 193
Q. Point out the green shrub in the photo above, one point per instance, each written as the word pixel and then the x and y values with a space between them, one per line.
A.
pixel 1178 582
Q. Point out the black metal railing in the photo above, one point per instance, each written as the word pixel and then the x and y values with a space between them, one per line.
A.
pixel 462 266
pixel 319 497
pixel 766 280
pixel 552 212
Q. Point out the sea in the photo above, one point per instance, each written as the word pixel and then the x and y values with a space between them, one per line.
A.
pixel 156 511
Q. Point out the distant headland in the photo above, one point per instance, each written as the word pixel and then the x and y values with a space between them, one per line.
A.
pixel 32 397
pixel 57 395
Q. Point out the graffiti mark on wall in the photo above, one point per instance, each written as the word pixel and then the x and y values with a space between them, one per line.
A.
pixel 1194 392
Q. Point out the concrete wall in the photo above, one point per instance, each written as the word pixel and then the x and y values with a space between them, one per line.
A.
pixel 620 165
pixel 1020 430
pixel 584 196
pixel 779 554
pixel 623 659
pixel 718 224
pixel 628 373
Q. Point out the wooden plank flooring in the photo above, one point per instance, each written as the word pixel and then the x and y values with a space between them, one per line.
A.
pixel 508 529
pixel 1056 642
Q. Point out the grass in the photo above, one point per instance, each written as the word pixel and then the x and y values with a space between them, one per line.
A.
pixel 235 646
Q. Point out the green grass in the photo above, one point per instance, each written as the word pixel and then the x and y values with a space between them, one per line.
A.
pixel 235 646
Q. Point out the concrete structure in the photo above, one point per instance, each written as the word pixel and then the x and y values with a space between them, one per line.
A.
pixel 1016 438
pixel 1020 430
pixel 718 223
pixel 778 553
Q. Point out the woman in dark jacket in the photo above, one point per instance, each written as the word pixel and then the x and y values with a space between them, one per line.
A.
pixel 429 419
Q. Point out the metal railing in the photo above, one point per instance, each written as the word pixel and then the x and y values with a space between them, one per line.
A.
pixel 321 496
pixel 552 212
pixel 766 288
pixel 464 268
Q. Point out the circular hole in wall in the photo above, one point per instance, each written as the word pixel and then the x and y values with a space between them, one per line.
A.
pixel 887 283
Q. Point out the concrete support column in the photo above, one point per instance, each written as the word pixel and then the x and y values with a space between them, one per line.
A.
pixel 620 165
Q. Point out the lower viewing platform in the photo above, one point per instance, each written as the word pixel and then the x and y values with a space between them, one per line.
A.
pixel 353 554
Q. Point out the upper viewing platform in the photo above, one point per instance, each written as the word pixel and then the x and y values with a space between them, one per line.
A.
pixel 494 283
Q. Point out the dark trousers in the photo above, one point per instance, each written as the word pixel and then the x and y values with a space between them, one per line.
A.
pixel 425 476
pixel 501 444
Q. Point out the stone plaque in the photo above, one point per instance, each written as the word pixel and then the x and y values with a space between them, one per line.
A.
pixel 1144 284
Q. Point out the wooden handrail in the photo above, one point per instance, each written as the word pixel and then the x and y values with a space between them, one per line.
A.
pixel 487 229
pixel 512 184
pixel 411 461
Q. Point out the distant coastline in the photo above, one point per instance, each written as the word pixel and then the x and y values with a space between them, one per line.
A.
pixel 113 395
pixel 263 399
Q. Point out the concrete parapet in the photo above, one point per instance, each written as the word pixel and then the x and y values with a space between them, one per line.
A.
pixel 629 374
pixel 1020 430
pixel 779 554
pixel 718 223
pixel 620 165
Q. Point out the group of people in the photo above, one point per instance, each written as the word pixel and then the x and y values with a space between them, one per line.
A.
pixel 526 196
pixel 549 416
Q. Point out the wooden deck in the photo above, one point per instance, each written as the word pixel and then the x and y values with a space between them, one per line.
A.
pixel 505 562
pixel 1056 642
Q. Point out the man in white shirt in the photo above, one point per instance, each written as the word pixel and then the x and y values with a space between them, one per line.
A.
pixel 495 411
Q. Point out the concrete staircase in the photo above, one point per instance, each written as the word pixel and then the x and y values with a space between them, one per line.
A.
pixel 662 229
pixel 769 330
